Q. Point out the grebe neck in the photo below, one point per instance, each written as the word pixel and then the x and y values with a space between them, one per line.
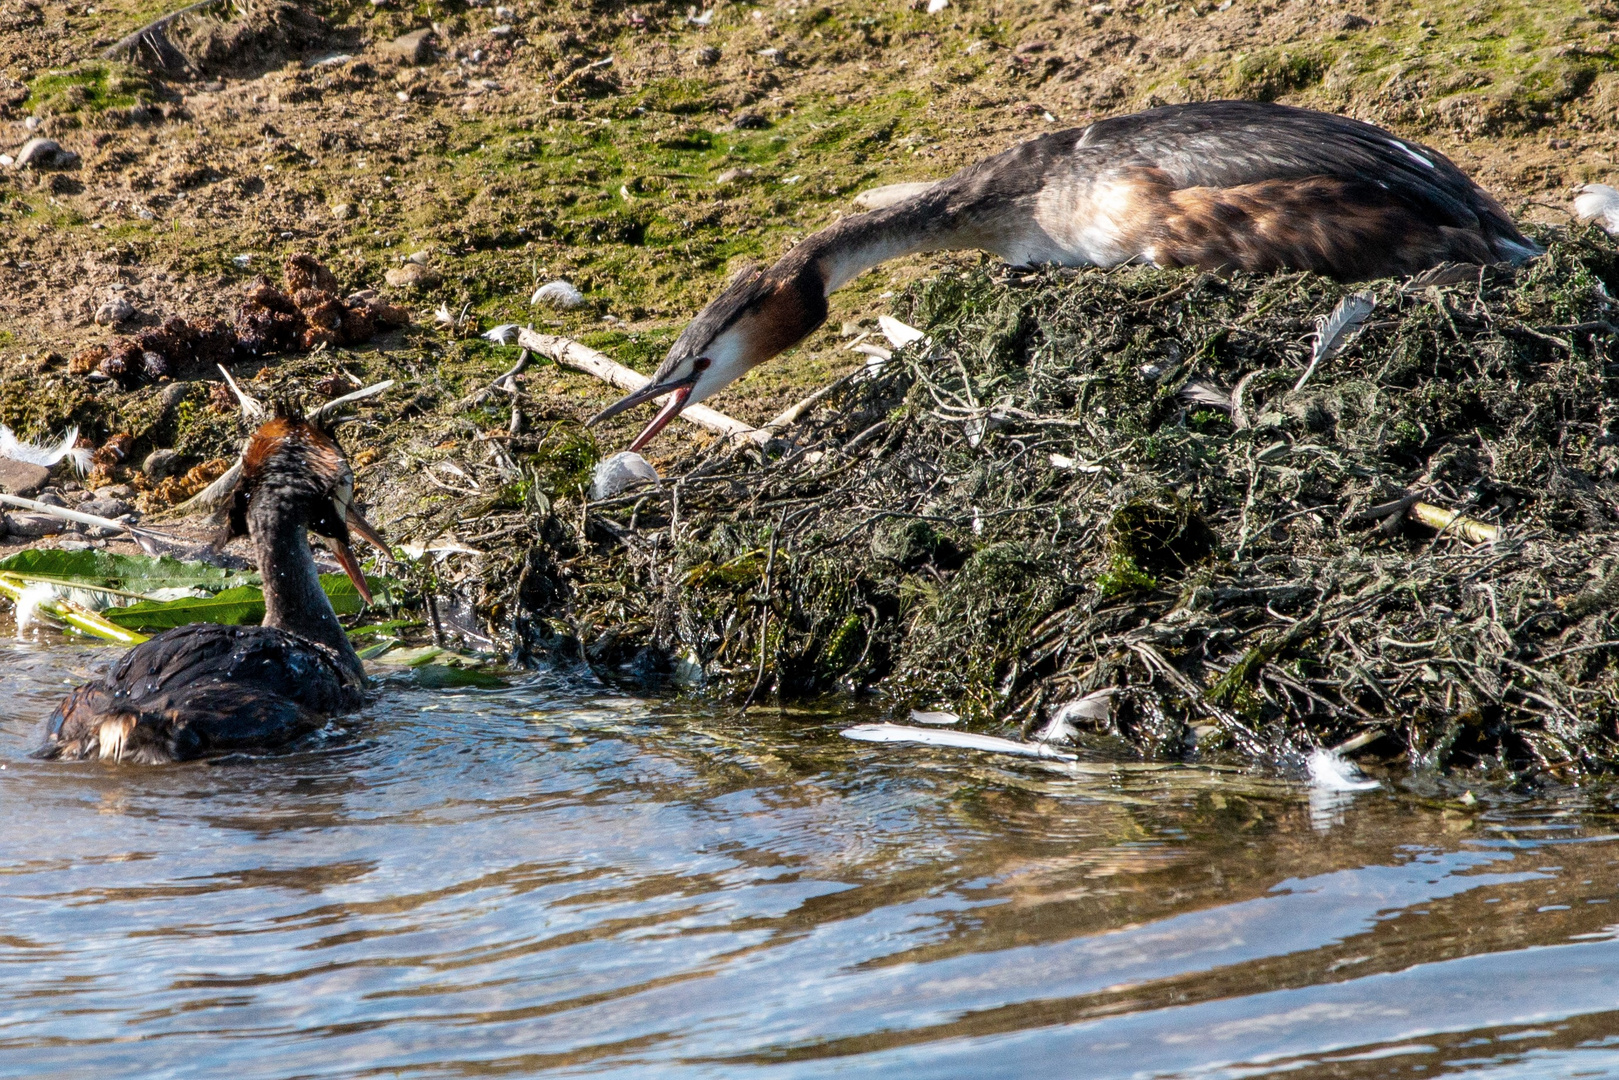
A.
pixel 293 598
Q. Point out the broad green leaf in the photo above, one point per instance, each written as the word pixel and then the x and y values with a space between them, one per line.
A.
pixel 447 676
pixel 233 607
pixel 135 573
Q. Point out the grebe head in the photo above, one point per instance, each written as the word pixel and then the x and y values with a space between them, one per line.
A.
pixel 761 313
pixel 294 473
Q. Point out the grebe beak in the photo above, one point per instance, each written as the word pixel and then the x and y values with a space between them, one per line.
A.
pixel 345 555
pixel 679 391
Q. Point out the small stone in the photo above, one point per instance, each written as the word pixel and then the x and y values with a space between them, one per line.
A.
pixel 114 311
pixel 21 477
pixel 45 154
pixel 1349 21
pixel 559 293
pixel 52 497
pixel 7 159
pixel 412 276
pixel 343 211
pixel 505 14
pixel 707 56
pixel 102 506
pixel 173 394
pixel 161 463
pixel 32 123
pixel 418 257
pixel 501 31
pixel 751 121
pixel 36 525
pixel 731 176
pixel 415 47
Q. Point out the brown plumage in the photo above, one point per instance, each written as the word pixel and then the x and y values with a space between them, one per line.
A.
pixel 1221 185
pixel 207 687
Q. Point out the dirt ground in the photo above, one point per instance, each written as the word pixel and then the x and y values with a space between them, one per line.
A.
pixel 644 151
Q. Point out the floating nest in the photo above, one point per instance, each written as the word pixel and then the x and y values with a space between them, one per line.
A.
pixel 1090 480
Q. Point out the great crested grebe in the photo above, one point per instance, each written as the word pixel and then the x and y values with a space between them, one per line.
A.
pixel 1240 185
pixel 207 687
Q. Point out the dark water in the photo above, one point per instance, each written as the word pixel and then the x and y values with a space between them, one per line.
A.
pixel 539 880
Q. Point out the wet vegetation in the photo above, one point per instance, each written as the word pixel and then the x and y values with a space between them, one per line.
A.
pixel 1047 499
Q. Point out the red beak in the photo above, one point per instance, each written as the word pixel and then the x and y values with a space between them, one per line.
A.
pixel 670 410
pixel 345 556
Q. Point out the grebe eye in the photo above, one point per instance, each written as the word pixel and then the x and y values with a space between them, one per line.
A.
pixel 701 363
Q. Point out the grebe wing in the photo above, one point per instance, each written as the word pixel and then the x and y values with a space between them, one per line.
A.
pixel 1222 144
pixel 203 687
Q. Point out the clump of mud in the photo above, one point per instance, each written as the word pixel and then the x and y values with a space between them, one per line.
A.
pixel 307 314
pixel 1088 480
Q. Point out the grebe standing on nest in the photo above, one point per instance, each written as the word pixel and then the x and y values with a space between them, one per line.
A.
pixel 1238 185
pixel 207 687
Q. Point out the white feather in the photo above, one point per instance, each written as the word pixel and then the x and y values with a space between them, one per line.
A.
pixel 1063 726
pixel 562 294
pixel 1600 203
pixel 1332 333
pixel 41 454
pixel 963 740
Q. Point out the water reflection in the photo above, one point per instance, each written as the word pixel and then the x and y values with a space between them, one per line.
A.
pixel 545 879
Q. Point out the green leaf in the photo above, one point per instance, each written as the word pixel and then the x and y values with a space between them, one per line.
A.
pixel 233 607
pixel 446 676
pixel 135 573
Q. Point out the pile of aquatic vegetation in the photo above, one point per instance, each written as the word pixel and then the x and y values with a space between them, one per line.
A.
pixel 1137 480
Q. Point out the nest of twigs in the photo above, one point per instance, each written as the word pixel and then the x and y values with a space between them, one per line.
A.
pixel 1056 493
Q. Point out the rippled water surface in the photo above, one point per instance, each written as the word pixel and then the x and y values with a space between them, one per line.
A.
pixel 547 879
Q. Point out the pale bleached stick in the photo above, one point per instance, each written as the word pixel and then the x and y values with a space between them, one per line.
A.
pixel 571 354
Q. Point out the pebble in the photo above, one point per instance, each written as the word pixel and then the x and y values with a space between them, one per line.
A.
pixel 505 13
pixel 45 154
pixel 412 48
pixel 707 56
pixel 173 394
pixel 32 123
pixel 417 257
pixel 559 293
pixel 114 311
pixel 731 176
pixel 500 31
pixel 343 211
pixel 22 477
pixel 161 463
pixel 412 276
pixel 7 159
pixel 619 472
pixel 33 525
pixel 101 506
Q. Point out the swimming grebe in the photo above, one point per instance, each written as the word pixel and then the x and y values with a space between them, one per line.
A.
pixel 1241 185
pixel 208 687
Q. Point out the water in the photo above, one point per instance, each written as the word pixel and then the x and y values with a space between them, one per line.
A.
pixel 549 880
